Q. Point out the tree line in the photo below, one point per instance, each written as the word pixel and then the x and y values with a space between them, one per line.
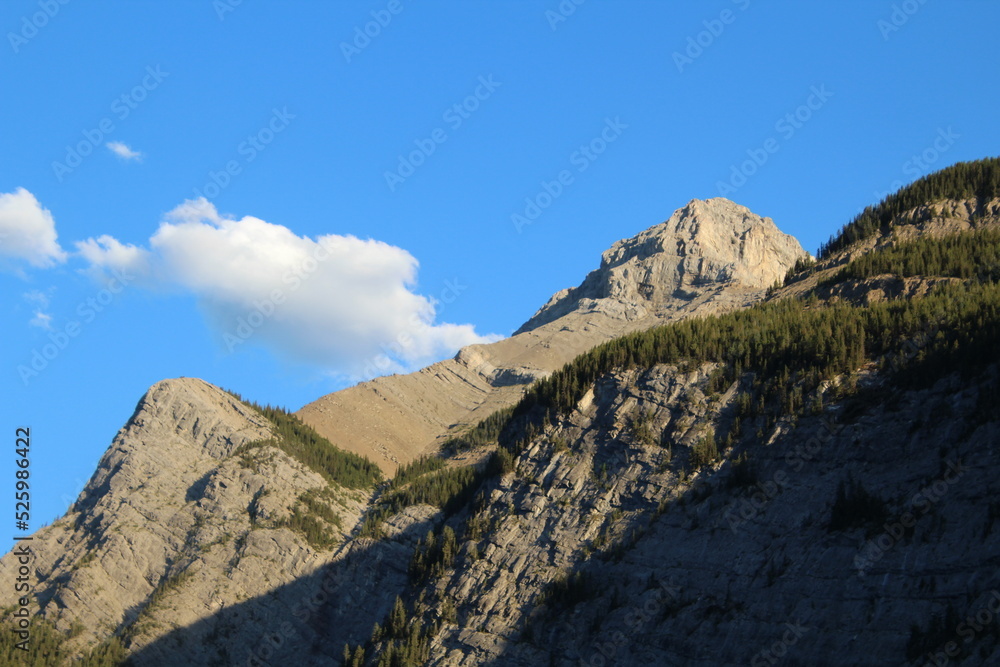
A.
pixel 972 255
pixel 303 443
pixel 965 180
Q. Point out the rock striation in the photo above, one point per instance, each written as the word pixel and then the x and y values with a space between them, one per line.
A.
pixel 175 523
pixel 705 249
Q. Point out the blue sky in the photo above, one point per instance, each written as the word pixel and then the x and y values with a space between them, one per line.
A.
pixel 414 190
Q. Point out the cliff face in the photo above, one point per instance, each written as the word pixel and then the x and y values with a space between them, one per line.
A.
pixel 603 550
pixel 711 256
pixel 712 250
pixel 177 522
pixel 858 531
pixel 602 547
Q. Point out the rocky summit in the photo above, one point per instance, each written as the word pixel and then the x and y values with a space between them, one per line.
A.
pixel 711 256
pixel 710 251
pixel 716 450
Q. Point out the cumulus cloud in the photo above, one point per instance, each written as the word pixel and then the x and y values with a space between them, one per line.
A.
pixel 342 302
pixel 107 255
pixel 27 232
pixel 123 151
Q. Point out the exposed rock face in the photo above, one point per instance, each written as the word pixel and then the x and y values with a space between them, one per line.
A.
pixel 169 511
pixel 934 220
pixel 710 256
pixel 666 568
pixel 181 535
pixel 715 569
pixel 702 248
pixel 601 547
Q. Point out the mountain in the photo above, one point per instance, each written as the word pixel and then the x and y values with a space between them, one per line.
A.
pixel 164 532
pixel 709 257
pixel 804 473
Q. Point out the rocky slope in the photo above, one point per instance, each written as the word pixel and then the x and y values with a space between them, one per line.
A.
pixel 933 219
pixel 697 511
pixel 176 522
pixel 698 255
pixel 715 569
pixel 179 525
pixel 606 544
pixel 711 256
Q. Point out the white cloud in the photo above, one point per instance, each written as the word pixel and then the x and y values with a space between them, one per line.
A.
pixel 42 320
pixel 40 300
pixel 27 232
pixel 337 301
pixel 106 254
pixel 123 151
pixel 38 297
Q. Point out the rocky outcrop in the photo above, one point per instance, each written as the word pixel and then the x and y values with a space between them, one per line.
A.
pixel 703 248
pixel 709 257
pixel 602 550
pixel 604 542
pixel 176 523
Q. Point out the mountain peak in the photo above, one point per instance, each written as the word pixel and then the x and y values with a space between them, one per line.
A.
pixel 199 411
pixel 704 246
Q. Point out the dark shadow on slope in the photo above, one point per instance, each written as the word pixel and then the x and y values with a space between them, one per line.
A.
pixel 197 490
pixel 638 608
pixel 310 619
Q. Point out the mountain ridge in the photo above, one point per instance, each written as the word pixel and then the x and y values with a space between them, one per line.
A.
pixel 714 255
pixel 677 494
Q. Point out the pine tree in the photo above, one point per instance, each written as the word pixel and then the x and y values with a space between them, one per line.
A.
pixel 397 619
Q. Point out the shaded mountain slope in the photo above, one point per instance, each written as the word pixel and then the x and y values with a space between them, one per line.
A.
pixel 808 479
